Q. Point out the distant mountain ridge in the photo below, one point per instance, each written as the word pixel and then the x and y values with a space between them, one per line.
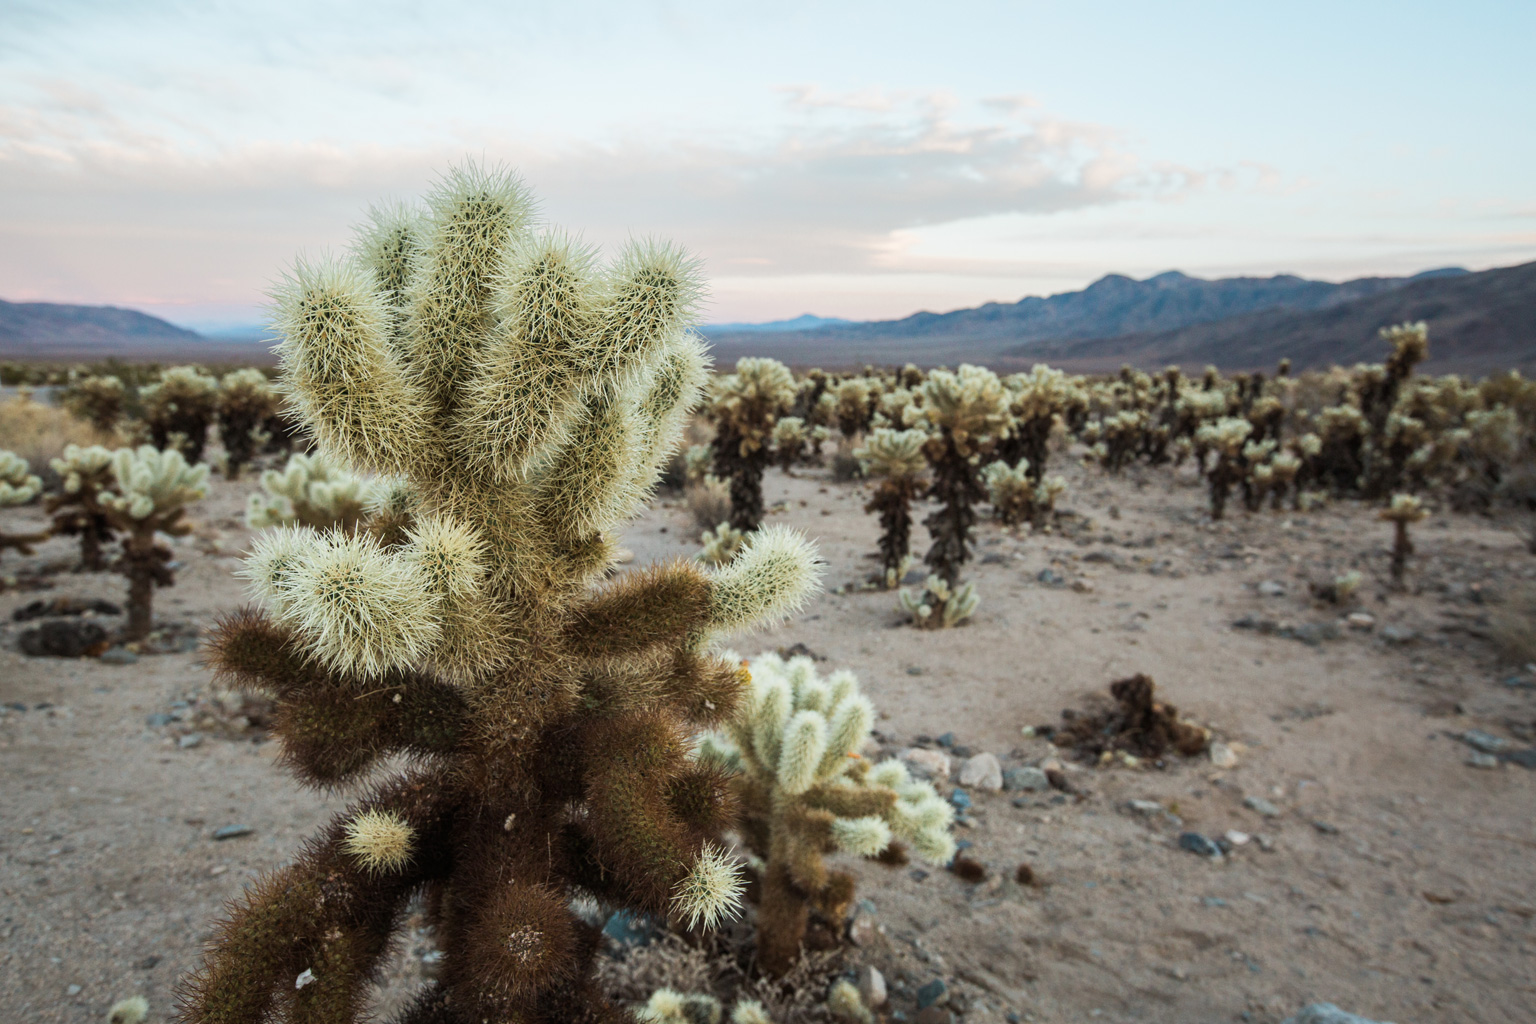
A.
pixel 52 331
pixel 803 322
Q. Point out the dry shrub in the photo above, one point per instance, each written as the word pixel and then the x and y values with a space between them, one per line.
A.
pixel 1514 625
pixel 668 962
pixel 39 433
pixel 709 501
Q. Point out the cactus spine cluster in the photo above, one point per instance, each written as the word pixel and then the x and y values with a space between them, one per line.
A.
pixel 149 495
pixel 18 486
pixel 806 792
pixel 529 397
pixel 312 490
pixel 85 476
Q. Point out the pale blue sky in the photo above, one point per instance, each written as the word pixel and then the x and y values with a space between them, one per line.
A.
pixel 847 159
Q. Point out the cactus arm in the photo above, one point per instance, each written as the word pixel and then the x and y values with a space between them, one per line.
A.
pixel 659 604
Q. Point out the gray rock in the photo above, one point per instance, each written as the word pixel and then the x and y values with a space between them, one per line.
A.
pixel 1194 842
pixel 1262 806
pixel 1327 1013
pixel 872 987
pixel 61 638
pixel 1147 807
pixel 927 764
pixel 1051 578
pixel 190 740
pixel 1477 760
pixel 232 831
pixel 983 772
pixel 118 656
pixel 1398 635
pixel 932 994
pixel 1222 756
pixel 1486 742
pixel 1028 779
pixel 1271 588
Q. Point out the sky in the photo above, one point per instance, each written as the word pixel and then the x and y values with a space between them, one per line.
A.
pixel 862 160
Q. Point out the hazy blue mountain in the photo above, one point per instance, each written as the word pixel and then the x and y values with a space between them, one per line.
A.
pixel 803 322
pixel 51 331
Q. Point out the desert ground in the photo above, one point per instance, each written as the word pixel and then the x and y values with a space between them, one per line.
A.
pixel 1393 877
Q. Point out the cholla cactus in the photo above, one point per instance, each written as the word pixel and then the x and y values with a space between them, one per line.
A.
pixel 85 475
pixel 1038 402
pixel 896 458
pixel 312 490
pixel 668 1006
pixel 99 400
pixel 179 408
pixel 1225 439
pixel 790 436
pixel 1405 509
pixel 746 406
pixel 853 406
pixel 968 412
pixel 530 398
pixel 938 605
pixel 721 544
pixel 805 792
pixel 149 495
pixel 18 486
pixel 245 402
pixel 1017 497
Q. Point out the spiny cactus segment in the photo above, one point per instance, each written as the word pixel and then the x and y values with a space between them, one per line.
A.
pixel 312 490
pixel 18 486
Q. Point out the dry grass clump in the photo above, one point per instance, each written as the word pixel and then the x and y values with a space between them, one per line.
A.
pixel 39 433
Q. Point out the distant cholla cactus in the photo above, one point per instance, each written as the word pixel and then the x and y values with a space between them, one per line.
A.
pixel 314 491
pixel 1405 509
pixel 530 397
pixel 805 792
pixel 668 1006
pixel 1038 401
pixel 1283 468
pixel 1016 496
pixel 938 605
pixel 790 436
pixel 99 400
pixel 1225 439
pixel 968 412
pixel 745 408
pixel 853 406
pixel 149 495
pixel 18 486
pixel 85 475
pixel 179 409
pixel 721 544
pixel 696 462
pixel 246 401
pixel 896 459
pixel 1118 438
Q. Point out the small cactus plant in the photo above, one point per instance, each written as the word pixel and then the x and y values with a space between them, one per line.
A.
pixel 895 458
pixel 245 402
pixel 1225 439
pixel 18 486
pixel 1016 494
pixel 99 400
pixel 806 792
pixel 530 398
pixel 968 413
pixel 179 409
pixel 311 490
pixel 149 495
pixel 721 544
pixel 1405 509
pixel 747 404
pixel 938 605
pixel 85 475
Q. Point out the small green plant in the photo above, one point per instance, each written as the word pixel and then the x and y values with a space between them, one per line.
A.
pixel 806 792
pixel 314 491
pixel 85 475
pixel 938 605
pixel 179 409
pixel 18 486
pixel 245 402
pixel 150 492
pixel 1405 509
pixel 746 406
pixel 895 458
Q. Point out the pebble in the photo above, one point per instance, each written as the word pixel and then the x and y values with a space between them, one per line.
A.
pixel 1194 842
pixel 1477 760
pixel 232 831
pixel 1271 588
pixel 1222 756
pixel 1486 742
pixel 118 656
pixel 932 994
pixel 1362 621
pixel 946 740
pixel 983 772
pixel 862 930
pixel 872 987
pixel 1237 838
pixel 1051 578
pixel 159 719
pixel 1030 780
pixel 1148 807
pixel 960 799
pixel 927 764
pixel 1327 1013
pixel 1325 828
pixel 1261 806
pixel 190 740
pixel 73 990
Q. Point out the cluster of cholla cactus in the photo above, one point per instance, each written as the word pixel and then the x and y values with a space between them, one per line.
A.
pixel 529 397
pixel 101 400
pixel 179 408
pixel 746 406
pixel 806 791
pixel 895 459
pixel 1404 509
pixel 721 544
pixel 1039 402
pixel 939 605
pixel 149 495
pixel 1018 495
pixel 18 486
pixel 85 477
pixel 668 1006
pixel 313 490
pixel 1225 440
pixel 246 402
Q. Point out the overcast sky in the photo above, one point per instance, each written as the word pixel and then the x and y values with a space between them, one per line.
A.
pixel 845 159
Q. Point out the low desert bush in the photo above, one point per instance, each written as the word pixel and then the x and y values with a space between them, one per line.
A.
pixel 39 433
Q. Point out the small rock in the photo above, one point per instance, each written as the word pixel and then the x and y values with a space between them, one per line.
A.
pixel 1147 807
pixel 190 740
pixel 1029 780
pixel 232 831
pixel 862 930
pixel 306 977
pixel 1194 842
pixel 1525 758
pixel 946 740
pixel 1325 828
pixel 1327 1013
pixel 118 656
pixel 1261 806
pixel 983 772
pixel 159 720
pixel 1477 760
pixel 1271 588
pixel 61 638
pixel 932 994
pixel 1362 621
pixel 927 764
pixel 1237 838
pixel 73 990
pixel 1486 742
pixel 1051 578
pixel 628 928
pixel 148 962
pixel 872 987
pixel 1082 586
pixel 1222 756
pixel 961 800
pixel 1398 635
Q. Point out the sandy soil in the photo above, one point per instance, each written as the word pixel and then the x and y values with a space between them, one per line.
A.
pixel 1396 880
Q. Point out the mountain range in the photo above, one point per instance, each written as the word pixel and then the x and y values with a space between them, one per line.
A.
pixel 56 332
